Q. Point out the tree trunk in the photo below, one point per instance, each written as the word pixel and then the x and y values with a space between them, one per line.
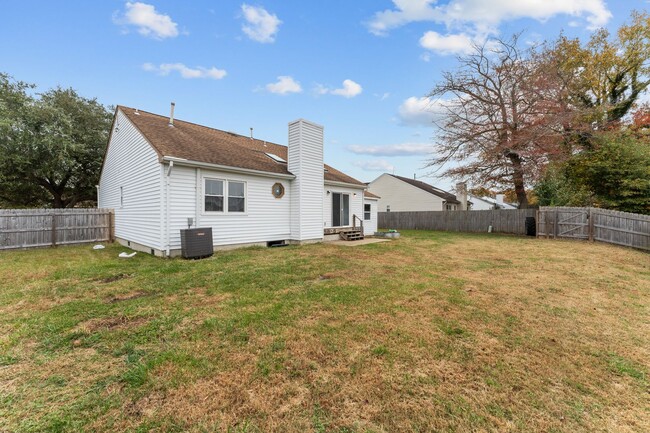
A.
pixel 57 200
pixel 518 180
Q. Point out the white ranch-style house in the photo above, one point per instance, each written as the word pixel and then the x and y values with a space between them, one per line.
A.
pixel 401 194
pixel 159 174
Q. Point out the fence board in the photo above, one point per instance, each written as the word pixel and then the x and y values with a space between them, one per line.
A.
pixel 27 228
pixel 501 220
pixel 604 225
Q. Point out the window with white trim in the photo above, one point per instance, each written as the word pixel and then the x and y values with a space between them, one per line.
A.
pixel 236 196
pixel 366 211
pixel 213 197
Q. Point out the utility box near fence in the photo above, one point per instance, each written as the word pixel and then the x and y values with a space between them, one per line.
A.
pixel 196 243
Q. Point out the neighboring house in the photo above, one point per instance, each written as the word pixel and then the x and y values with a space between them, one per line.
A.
pixel 487 203
pixel 399 194
pixel 480 203
pixel 160 174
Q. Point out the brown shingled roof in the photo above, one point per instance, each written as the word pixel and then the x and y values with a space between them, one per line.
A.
pixel 203 144
pixel 368 194
pixel 448 197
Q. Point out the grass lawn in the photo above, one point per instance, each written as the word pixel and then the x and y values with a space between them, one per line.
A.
pixel 432 332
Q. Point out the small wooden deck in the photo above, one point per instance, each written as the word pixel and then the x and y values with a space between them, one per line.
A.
pixel 336 230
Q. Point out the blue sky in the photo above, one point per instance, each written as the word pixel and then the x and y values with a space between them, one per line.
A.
pixel 360 68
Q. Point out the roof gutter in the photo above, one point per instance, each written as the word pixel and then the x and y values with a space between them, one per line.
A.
pixel 345 184
pixel 227 168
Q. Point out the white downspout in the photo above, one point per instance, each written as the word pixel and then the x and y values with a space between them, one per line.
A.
pixel 168 206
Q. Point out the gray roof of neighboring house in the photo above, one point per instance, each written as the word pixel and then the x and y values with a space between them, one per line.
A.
pixel 496 203
pixel 447 196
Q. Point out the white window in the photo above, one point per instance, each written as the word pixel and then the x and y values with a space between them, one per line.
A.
pixel 236 196
pixel 213 201
pixel 366 211
pixel 387 208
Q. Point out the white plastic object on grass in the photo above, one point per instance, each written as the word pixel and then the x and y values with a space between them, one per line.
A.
pixel 127 256
pixel 98 247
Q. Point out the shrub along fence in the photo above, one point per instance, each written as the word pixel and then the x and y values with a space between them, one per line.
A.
pixel 26 228
pixel 501 220
pixel 614 227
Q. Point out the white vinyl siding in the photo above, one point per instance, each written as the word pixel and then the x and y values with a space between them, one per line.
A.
pixel 356 203
pixel 130 184
pixel 305 161
pixel 479 204
pixel 401 196
pixel 266 218
pixel 370 226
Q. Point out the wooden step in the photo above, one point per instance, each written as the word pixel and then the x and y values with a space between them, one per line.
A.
pixel 353 234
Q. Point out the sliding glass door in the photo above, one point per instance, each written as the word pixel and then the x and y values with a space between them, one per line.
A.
pixel 340 209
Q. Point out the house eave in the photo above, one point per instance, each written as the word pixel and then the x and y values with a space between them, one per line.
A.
pixel 345 184
pixel 226 168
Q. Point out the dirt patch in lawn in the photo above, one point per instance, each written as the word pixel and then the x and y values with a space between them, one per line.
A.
pixel 128 296
pixel 110 323
pixel 114 278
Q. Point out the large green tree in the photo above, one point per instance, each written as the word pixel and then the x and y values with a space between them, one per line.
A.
pixel 614 173
pixel 51 146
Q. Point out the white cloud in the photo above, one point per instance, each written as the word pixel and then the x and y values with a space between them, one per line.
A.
pixel 407 11
pixel 350 89
pixel 447 44
pixel 485 15
pixel 401 149
pixel 185 71
pixel 423 111
pixel 261 25
pixel 319 89
pixel 284 85
pixel 148 21
pixel 374 165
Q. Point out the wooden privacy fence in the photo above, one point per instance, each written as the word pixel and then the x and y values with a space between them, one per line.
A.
pixel 614 227
pixel 26 228
pixel 501 220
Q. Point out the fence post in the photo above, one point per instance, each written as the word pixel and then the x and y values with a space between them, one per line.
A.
pixel 590 216
pixel 53 229
pixel 555 230
pixel 536 223
pixel 111 226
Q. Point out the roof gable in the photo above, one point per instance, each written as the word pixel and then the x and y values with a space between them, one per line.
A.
pixel 200 143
